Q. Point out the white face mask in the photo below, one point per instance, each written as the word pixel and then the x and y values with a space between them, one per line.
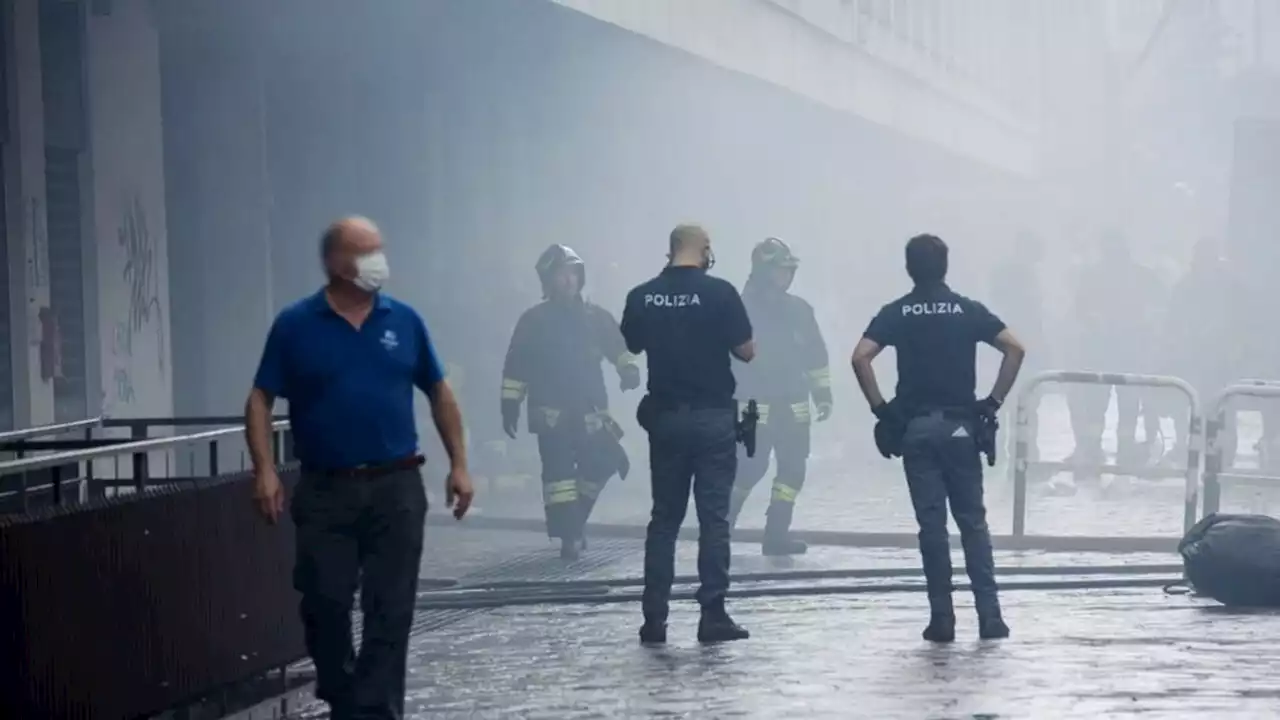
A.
pixel 372 271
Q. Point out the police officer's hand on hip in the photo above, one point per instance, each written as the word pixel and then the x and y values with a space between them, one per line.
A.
pixel 935 423
pixel 689 324
pixel 347 359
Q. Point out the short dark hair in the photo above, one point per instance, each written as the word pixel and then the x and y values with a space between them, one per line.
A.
pixel 926 259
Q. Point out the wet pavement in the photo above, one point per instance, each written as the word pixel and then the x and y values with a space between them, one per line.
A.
pixel 1083 655
pixel 1102 653
pixel 1080 654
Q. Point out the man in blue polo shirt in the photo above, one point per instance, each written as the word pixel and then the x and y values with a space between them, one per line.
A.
pixel 347 359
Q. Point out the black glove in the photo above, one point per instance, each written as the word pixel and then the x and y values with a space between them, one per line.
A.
pixel 888 413
pixel 630 377
pixel 988 407
pixel 889 430
pixel 510 417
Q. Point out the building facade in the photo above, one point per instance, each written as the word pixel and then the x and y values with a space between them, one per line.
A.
pixel 86 301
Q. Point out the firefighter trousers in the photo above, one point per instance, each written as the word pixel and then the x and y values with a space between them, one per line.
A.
pixel 575 469
pixel 786 439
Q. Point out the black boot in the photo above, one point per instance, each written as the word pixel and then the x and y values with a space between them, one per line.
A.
pixel 941 629
pixel 783 546
pixel 653 632
pixel 569 549
pixel 716 626
pixel 991 625
pixel 942 620
pixel 777 525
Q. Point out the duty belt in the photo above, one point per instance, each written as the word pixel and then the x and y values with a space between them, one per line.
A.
pixel 667 404
pixel 950 413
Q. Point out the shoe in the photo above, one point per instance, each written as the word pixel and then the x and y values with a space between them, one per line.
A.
pixel 716 626
pixel 941 629
pixel 992 627
pixel 569 549
pixel 778 547
pixel 653 632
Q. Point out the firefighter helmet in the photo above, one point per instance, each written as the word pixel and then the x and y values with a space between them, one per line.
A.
pixel 556 257
pixel 773 252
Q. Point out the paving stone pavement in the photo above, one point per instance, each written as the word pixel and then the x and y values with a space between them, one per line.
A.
pixel 1113 654
pixel 1074 654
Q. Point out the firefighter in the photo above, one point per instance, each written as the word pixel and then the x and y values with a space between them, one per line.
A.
pixel 554 361
pixel 791 368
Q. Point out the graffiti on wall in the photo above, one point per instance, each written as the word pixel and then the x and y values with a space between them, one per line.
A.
pixel 35 233
pixel 124 392
pixel 141 275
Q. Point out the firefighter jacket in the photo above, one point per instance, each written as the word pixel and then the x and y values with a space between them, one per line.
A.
pixel 791 363
pixel 554 361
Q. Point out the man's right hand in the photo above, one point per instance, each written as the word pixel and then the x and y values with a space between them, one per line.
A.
pixel 268 494
pixel 888 412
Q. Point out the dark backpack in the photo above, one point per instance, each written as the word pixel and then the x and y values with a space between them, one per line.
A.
pixel 1234 559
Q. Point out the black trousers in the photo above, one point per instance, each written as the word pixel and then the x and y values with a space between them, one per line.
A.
pixel 689 448
pixel 787 440
pixel 943 463
pixel 364 533
pixel 575 470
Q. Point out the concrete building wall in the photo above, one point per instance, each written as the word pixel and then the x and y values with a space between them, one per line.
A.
pixel 872 60
pixel 83 166
pixel 128 212
pixel 25 217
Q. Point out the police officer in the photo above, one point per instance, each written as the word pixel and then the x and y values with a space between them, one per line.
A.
pixel 936 421
pixel 689 323
pixel 554 359
pixel 792 367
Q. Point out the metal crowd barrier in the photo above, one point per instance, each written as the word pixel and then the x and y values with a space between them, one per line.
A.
pixel 126 606
pixel 1021 462
pixel 1214 472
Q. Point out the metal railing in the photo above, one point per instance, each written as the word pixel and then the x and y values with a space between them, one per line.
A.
pixel 190 589
pixel 1214 471
pixel 46 430
pixel 1021 462
pixel 54 470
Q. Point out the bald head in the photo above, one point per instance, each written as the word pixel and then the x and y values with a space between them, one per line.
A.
pixel 352 232
pixel 690 245
pixel 688 237
pixel 347 241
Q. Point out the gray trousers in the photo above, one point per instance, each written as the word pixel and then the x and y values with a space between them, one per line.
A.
pixel 689 449
pixel 942 464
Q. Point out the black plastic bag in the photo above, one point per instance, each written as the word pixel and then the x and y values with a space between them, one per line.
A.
pixel 1234 559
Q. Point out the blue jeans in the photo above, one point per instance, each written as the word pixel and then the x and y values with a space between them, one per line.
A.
pixel 943 464
pixel 689 449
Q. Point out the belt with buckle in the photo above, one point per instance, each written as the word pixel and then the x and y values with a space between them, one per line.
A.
pixel 411 462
